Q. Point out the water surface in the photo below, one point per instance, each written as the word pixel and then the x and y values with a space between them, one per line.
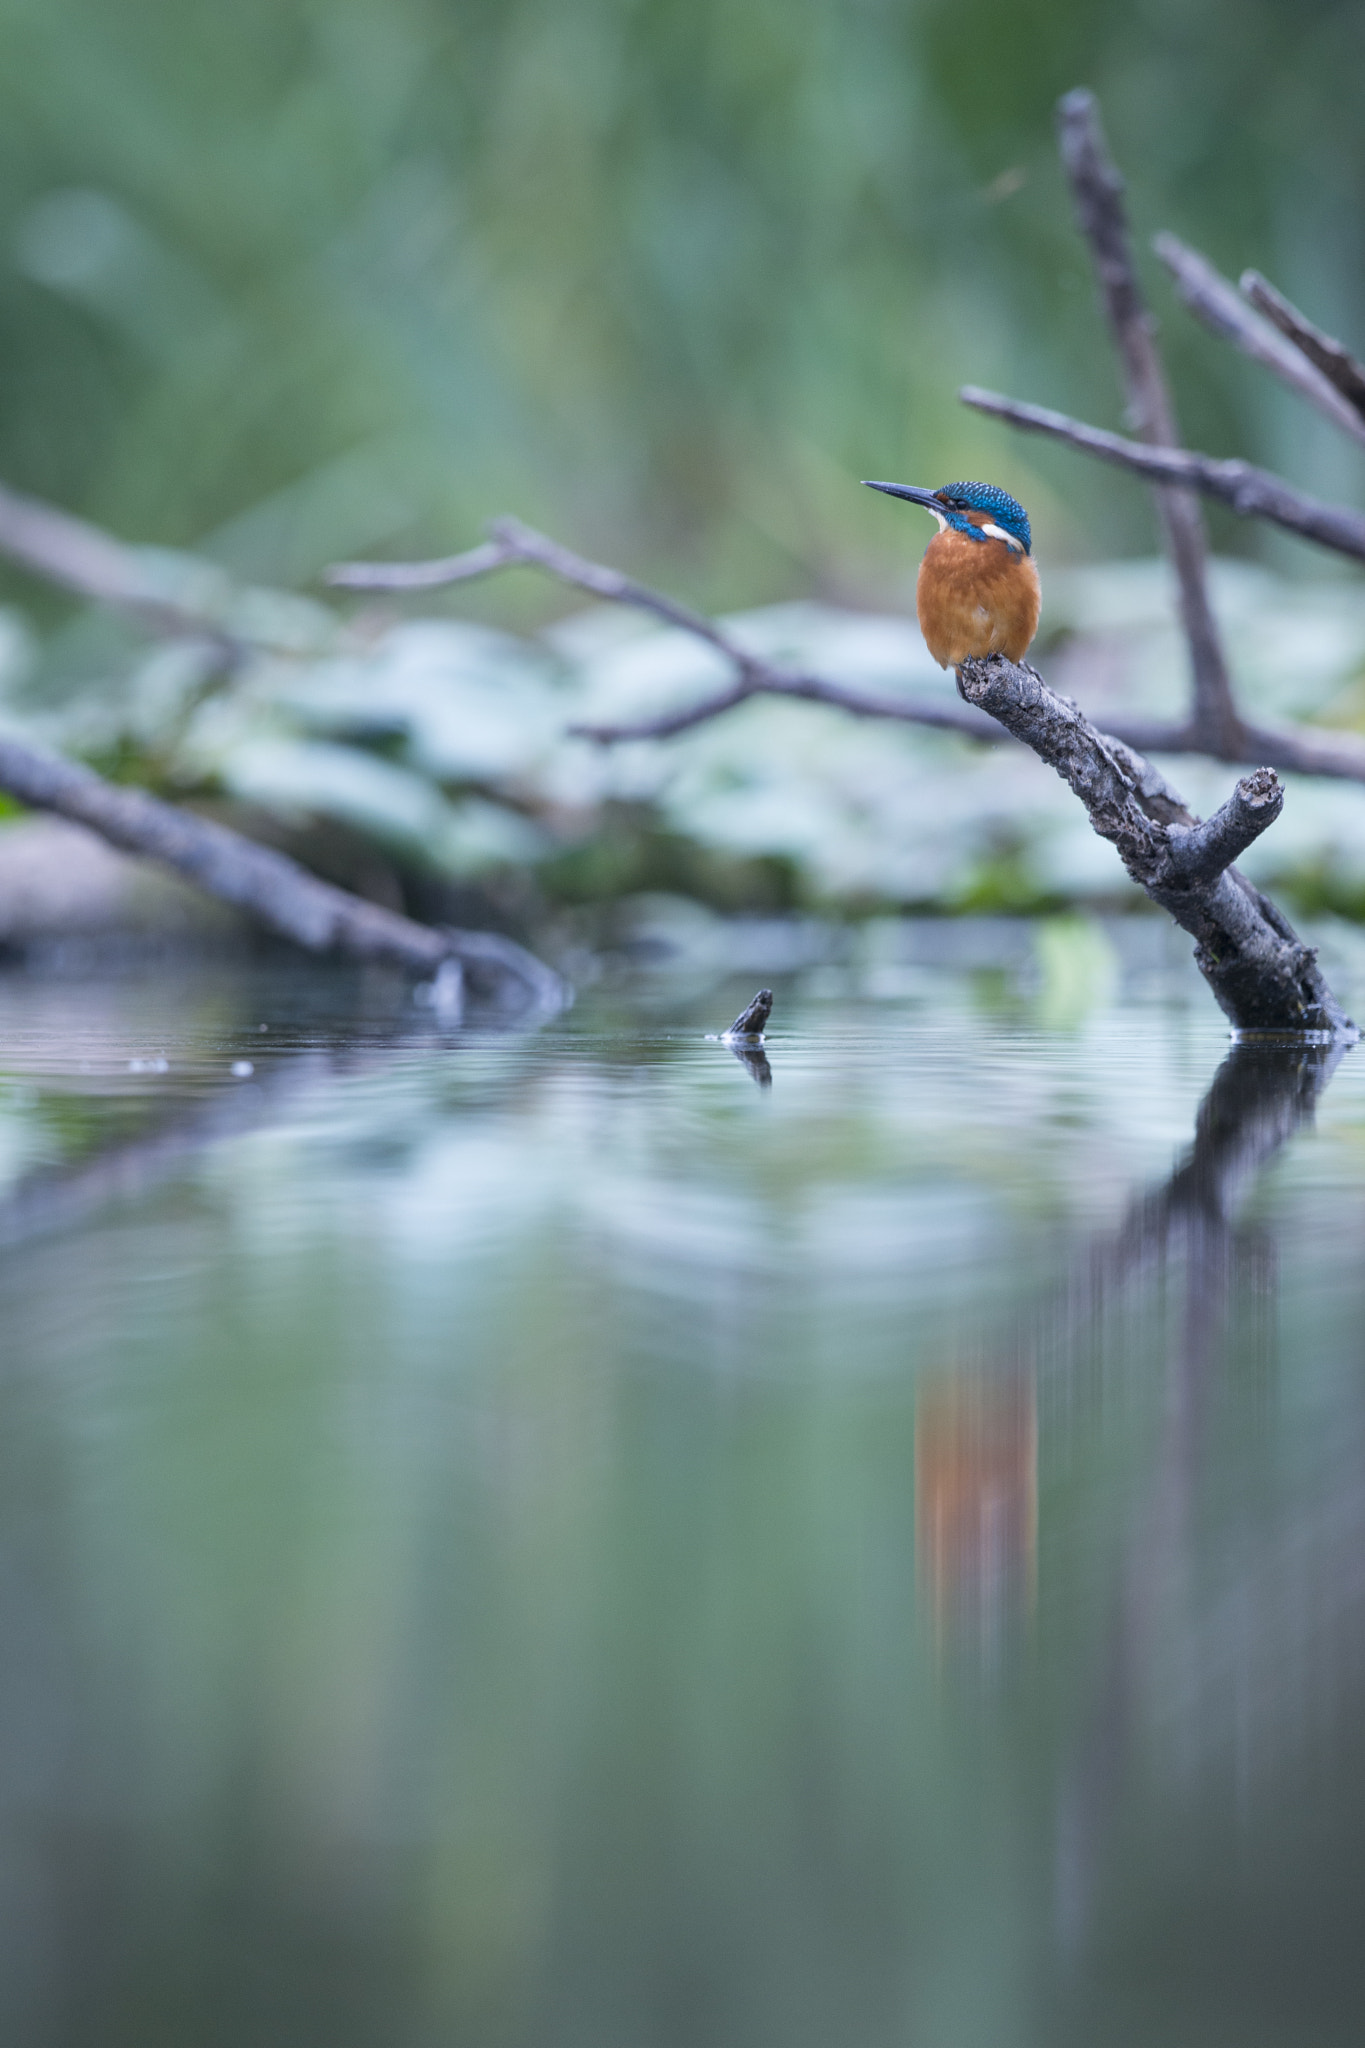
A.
pixel 536 1538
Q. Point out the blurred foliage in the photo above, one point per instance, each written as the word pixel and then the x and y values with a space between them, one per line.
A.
pixel 303 279
pixel 296 278
pixel 428 761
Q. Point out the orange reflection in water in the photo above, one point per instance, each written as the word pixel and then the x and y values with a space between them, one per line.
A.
pixel 976 1499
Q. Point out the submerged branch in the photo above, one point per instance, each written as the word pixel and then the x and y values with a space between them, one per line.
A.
pixel 268 886
pixel 1261 975
pixel 1097 188
pixel 1251 492
pixel 1213 299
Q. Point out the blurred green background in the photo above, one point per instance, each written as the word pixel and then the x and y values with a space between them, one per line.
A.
pixel 301 279
pixel 295 278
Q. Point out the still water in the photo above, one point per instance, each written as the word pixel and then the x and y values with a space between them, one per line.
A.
pixel 540 1540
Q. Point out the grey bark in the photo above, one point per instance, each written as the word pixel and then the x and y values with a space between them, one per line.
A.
pixel 1097 188
pixel 270 887
pixel 1254 493
pixel 1216 301
pixel 1336 363
pixel 1260 973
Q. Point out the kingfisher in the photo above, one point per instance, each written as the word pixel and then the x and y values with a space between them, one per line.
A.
pixel 978 590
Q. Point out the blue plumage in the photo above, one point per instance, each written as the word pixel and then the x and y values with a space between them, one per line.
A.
pixel 1005 511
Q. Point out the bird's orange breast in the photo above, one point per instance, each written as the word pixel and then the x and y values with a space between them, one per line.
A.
pixel 976 597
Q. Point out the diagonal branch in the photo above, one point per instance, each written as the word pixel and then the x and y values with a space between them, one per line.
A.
pixel 1261 975
pixel 1218 303
pixel 1251 492
pixel 1336 363
pixel 272 889
pixel 514 543
pixel 169 593
pixel 1097 189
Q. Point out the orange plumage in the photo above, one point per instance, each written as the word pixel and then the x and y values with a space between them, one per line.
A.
pixel 976 597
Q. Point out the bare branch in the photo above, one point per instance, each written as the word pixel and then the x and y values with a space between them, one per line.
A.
pixel 494 554
pixel 1260 974
pixel 1337 364
pixel 1201 853
pixel 808 690
pixel 1097 188
pixel 1251 492
pixel 1302 753
pixel 667 723
pixel 270 887
pixel 1243 746
pixel 70 551
pixel 1215 301
pixel 83 558
pixel 514 543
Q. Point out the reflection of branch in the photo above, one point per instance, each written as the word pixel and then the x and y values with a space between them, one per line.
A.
pixel 1336 363
pixel 1254 493
pixel 270 887
pixel 514 543
pixel 1212 299
pixel 1098 191
pixel 1261 1095
pixel 754 1061
pixel 1262 977
pixel 56 1198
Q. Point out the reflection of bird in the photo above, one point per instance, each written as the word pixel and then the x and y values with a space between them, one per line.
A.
pixel 978 587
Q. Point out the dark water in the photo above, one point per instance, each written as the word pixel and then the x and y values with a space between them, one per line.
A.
pixel 538 1539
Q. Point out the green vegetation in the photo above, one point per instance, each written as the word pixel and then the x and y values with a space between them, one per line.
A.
pixel 290 281
pixel 293 278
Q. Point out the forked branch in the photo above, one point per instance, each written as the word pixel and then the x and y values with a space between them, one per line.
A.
pixel 513 543
pixel 1261 975
pixel 1336 363
pixel 1213 299
pixel 1251 492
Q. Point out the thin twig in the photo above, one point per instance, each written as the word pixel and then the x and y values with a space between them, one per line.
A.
pixel 1097 188
pixel 1251 492
pixel 1301 752
pixel 270 887
pixel 1213 299
pixel 1260 974
pixel 807 690
pixel 513 543
pixel 463 568
pixel 1337 364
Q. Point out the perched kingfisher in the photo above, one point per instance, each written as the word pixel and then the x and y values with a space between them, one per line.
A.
pixel 978 589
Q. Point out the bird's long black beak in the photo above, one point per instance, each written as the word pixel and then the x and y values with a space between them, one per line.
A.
pixel 910 491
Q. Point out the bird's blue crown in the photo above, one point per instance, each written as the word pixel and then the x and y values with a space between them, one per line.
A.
pixel 959 499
